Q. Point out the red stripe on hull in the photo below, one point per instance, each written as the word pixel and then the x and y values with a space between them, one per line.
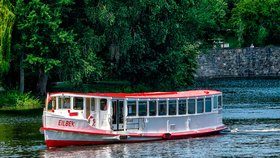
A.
pixel 191 135
pixel 166 136
pixel 61 143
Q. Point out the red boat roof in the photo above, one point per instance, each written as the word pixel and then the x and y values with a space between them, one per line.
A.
pixel 146 95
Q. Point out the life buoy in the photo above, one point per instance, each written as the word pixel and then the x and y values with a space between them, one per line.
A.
pixel 93 120
pixel 90 117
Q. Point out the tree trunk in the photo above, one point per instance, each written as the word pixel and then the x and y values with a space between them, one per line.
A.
pixel 42 83
pixel 21 73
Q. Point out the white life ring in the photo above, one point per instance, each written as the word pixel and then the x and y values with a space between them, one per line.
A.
pixel 91 119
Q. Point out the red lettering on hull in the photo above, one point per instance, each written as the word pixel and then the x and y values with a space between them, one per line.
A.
pixel 66 123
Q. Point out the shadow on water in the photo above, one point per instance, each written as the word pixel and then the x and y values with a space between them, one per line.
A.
pixel 19 133
pixel 251 113
pixel 32 112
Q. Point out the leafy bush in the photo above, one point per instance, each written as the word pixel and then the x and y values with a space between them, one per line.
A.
pixel 14 100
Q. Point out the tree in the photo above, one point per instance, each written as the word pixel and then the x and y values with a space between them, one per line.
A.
pixel 6 23
pixel 154 42
pixel 47 46
pixel 256 21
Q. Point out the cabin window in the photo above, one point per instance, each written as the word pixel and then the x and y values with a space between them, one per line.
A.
pixel 162 107
pixel 220 101
pixel 191 106
pixel 152 108
pixel 103 104
pixel 172 107
pixel 92 107
pixel 200 105
pixel 52 103
pixel 208 105
pixel 142 108
pixel 215 102
pixel 60 102
pixel 78 103
pixel 182 107
pixel 66 103
pixel 131 108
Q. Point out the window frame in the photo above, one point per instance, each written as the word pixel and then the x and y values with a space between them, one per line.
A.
pixel 194 106
pixel 186 106
pixel 159 107
pixel 103 107
pixel 127 106
pixel 144 101
pixel 75 100
pixel 205 104
pixel 173 114
pixel 155 107
pixel 215 102
pixel 198 104
pixel 220 106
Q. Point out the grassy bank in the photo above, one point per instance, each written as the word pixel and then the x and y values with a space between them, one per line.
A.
pixel 25 112
pixel 13 100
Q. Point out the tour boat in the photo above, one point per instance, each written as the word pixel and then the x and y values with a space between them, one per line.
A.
pixel 104 118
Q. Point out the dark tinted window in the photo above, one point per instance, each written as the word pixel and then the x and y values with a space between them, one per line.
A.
pixel 191 106
pixel 208 105
pixel 200 105
pixel 172 107
pixel 103 104
pixel 142 108
pixel 78 103
pixel 182 107
pixel 162 107
pixel 152 108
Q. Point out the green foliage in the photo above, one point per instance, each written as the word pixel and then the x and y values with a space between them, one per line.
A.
pixel 153 42
pixel 49 46
pixel 14 100
pixel 81 67
pixel 40 34
pixel 49 64
pixel 6 23
pixel 256 21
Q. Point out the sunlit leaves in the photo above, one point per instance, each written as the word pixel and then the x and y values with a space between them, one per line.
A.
pixel 256 21
pixel 47 63
pixel 6 23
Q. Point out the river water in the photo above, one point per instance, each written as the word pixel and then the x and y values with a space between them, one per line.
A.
pixel 251 113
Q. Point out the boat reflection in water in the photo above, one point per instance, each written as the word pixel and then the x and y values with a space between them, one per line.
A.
pixel 104 118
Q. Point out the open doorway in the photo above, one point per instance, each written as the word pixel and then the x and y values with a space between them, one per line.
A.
pixel 118 113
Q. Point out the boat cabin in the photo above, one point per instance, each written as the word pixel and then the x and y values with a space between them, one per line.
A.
pixel 146 112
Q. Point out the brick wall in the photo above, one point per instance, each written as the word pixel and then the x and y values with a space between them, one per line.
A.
pixel 245 62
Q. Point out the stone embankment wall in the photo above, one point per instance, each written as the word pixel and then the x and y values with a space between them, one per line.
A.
pixel 245 62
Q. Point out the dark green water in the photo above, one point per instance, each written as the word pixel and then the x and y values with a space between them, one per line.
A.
pixel 251 112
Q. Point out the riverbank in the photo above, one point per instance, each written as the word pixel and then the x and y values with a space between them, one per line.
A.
pixel 29 112
pixel 13 101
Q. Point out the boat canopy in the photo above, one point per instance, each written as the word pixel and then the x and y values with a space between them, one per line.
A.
pixel 145 95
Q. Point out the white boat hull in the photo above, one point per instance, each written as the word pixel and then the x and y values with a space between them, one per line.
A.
pixel 59 138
